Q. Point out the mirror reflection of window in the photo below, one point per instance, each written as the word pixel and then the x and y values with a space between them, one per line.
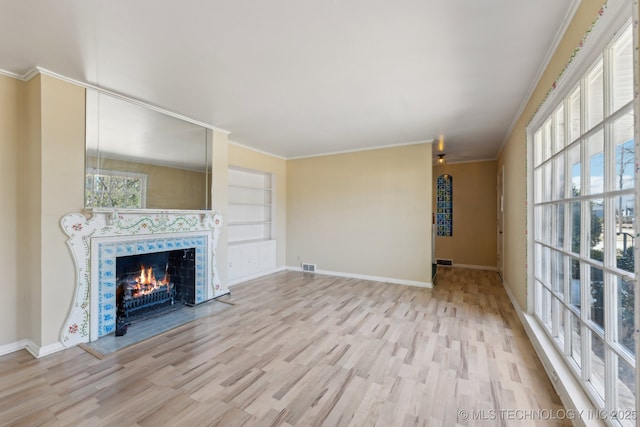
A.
pixel 106 189
pixel 140 158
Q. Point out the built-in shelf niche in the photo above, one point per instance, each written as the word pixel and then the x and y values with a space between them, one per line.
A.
pixel 250 213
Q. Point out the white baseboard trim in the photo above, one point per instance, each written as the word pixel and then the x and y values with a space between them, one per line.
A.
pixel 367 277
pixel 566 385
pixel 13 347
pixel 255 276
pixel 31 347
pixel 474 267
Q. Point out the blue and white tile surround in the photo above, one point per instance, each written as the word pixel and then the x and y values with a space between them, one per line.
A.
pixel 95 243
pixel 106 263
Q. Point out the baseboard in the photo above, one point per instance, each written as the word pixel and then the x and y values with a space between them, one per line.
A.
pixel 367 277
pixel 35 350
pixel 13 347
pixel 566 385
pixel 255 276
pixel 475 267
pixel 38 352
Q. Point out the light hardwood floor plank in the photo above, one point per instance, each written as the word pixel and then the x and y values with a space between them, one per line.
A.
pixel 299 349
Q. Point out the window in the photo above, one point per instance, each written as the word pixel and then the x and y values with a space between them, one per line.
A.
pixel 106 189
pixel 584 229
pixel 444 205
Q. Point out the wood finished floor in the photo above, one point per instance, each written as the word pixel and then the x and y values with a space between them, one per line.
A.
pixel 302 350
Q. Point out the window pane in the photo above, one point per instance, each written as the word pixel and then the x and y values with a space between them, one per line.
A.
pixel 558 181
pixel 557 259
pixel 539 184
pixel 625 232
pixel 559 225
pixel 547 142
pixel 576 350
pixel 595 95
pixel 595 148
pixel 596 213
pixel 538 299
pixel 575 227
pixel 546 266
pixel 596 309
pixel 546 308
pixel 625 151
pixel 539 221
pixel 622 70
pixel 548 180
pixel 575 286
pixel 548 223
pixel 561 314
pixel 574 165
pixel 574 114
pixel 626 390
pixel 559 129
pixel 626 310
pixel 537 147
pixel 597 364
pixel 539 259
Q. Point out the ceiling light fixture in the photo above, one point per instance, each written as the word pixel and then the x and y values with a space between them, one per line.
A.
pixel 441 159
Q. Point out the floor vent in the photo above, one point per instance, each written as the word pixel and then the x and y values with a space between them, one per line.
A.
pixel 442 261
pixel 309 268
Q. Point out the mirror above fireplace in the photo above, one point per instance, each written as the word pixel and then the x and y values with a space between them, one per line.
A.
pixel 140 158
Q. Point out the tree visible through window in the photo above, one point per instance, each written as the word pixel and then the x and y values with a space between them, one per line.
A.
pixel 110 189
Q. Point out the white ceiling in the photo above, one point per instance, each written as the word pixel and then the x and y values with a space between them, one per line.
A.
pixel 297 78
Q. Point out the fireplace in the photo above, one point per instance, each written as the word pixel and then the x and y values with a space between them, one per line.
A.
pixel 177 250
pixel 153 283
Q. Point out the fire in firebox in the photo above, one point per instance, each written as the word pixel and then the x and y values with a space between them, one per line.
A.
pixel 151 282
pixel 146 281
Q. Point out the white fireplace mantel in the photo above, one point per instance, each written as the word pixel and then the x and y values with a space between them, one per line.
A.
pixel 85 235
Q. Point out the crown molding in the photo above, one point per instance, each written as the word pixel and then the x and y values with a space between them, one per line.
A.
pixel 573 8
pixel 381 147
pixel 266 153
pixel 10 74
pixel 35 71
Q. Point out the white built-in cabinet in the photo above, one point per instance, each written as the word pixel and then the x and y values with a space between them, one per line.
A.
pixel 252 248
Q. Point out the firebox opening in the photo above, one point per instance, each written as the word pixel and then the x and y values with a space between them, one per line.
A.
pixel 151 283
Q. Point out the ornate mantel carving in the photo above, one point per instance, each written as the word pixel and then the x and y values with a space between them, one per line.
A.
pixel 109 225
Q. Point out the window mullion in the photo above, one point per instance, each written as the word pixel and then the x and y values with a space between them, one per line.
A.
pixel 585 232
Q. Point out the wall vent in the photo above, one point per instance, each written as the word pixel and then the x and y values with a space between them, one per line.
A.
pixel 443 261
pixel 310 268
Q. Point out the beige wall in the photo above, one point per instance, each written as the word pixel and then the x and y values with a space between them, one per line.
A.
pixel 251 159
pixel 10 92
pixel 62 156
pixel 474 214
pixel 29 209
pixel 365 213
pixel 513 157
pixel 219 194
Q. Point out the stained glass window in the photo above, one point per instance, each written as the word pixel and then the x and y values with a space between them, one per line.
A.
pixel 444 205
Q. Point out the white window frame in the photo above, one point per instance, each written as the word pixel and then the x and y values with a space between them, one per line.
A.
pixel 599 41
